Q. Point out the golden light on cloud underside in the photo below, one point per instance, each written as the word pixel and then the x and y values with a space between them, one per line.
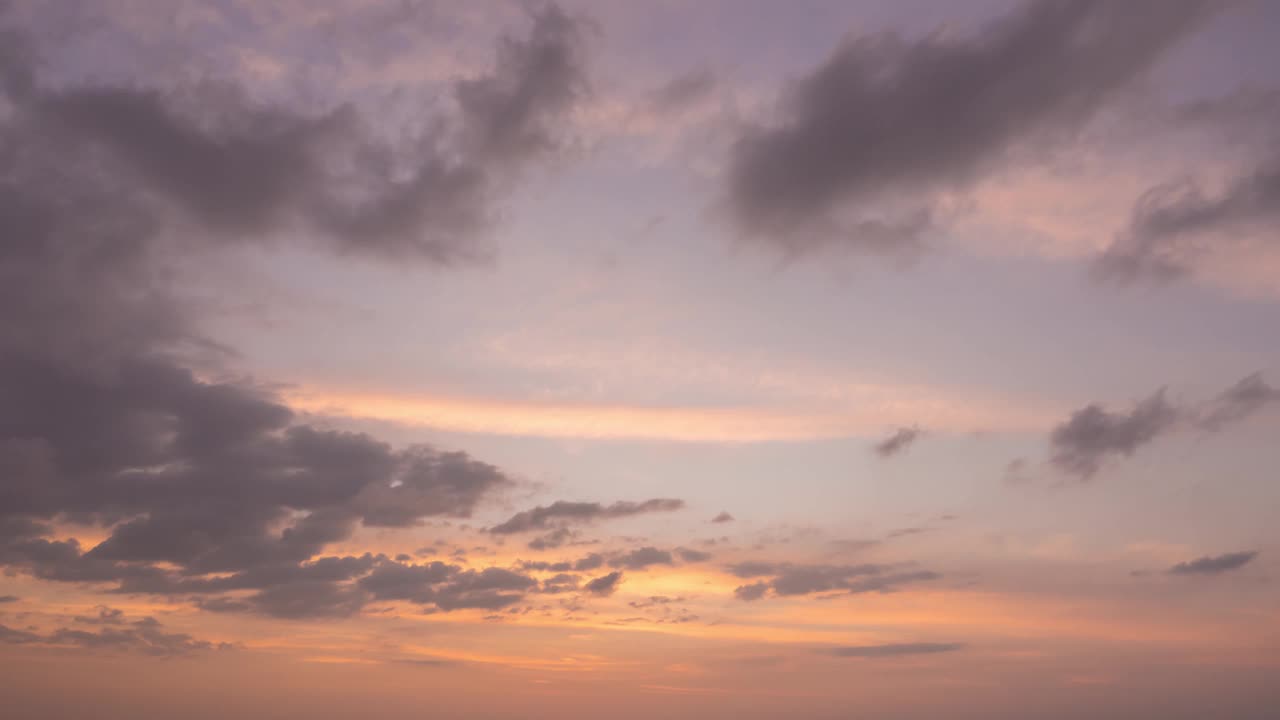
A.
pixel 681 424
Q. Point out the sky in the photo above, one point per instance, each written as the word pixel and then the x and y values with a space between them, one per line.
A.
pixel 720 359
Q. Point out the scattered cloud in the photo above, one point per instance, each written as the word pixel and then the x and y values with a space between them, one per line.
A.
pixel 561 513
pixel 1081 444
pixel 1093 433
pixel 886 118
pixel 146 636
pixel 892 650
pixel 1214 565
pixel 897 442
pixel 604 585
pixel 785 579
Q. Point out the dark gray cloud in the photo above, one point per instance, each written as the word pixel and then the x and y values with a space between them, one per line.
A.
pixel 871 137
pixel 897 442
pixel 797 579
pixel 604 585
pixel 561 513
pixel 1081 443
pixel 891 650
pixel 8 598
pixel 117 412
pixel 1214 565
pixel 241 170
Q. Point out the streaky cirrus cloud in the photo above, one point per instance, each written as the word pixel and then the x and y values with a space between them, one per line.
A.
pixel 562 512
pixel 886 121
pixel 1214 565
pixel 891 650
pixel 786 579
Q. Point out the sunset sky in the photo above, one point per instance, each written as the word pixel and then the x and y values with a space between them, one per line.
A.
pixel 392 359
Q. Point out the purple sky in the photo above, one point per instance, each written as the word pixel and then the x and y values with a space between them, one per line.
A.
pixel 668 359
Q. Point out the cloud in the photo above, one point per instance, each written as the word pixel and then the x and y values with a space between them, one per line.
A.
pixel 118 412
pixel 146 636
pixel 1238 402
pixel 264 169
pixel 1081 443
pixel 751 592
pixel 892 650
pixel 106 616
pixel 1174 223
pixel 553 539
pixel 799 579
pixel 447 587
pixel 1213 565
pixel 693 556
pixel 723 517
pixel 641 558
pixel 8 599
pixel 561 512
pixel 871 139
pixel 898 442
pixel 604 585
pixel 589 562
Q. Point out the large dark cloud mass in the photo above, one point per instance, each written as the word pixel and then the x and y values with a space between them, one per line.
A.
pixel 887 118
pixel 206 487
pixel 892 650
